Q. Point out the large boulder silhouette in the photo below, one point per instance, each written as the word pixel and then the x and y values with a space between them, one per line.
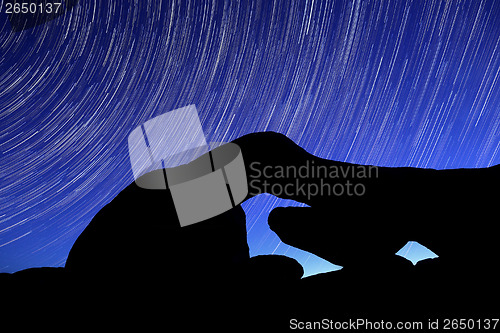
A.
pixel 134 261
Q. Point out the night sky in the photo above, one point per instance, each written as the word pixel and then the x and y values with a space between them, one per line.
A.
pixel 389 83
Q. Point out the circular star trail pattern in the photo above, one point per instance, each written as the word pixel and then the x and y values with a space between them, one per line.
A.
pixel 393 83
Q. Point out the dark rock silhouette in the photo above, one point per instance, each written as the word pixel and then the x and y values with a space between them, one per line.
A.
pixel 135 264
pixel 450 211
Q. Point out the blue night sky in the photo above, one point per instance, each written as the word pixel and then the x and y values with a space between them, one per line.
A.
pixel 389 83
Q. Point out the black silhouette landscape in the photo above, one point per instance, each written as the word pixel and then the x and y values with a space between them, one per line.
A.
pixel 134 264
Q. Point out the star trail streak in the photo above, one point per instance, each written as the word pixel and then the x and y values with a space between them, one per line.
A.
pixel 393 83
